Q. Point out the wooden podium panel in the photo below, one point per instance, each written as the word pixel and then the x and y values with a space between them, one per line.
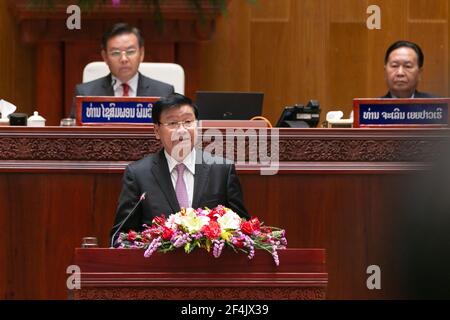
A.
pixel 126 274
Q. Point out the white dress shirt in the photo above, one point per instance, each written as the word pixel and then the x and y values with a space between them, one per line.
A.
pixel 394 97
pixel 132 83
pixel 188 174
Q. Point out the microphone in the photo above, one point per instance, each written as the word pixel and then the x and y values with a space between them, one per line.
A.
pixel 120 225
pixel 113 82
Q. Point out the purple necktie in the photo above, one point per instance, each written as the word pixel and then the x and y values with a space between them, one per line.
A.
pixel 180 187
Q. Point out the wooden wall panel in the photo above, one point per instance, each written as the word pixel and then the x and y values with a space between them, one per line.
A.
pixel 347 64
pixel 50 82
pixel 286 83
pixel 314 30
pixel 270 37
pixel 353 231
pixel 279 10
pixel 346 60
pixel 225 61
pixel 46 234
pixel 77 58
pixel 428 9
pixel 16 64
pixel 308 79
pixel 352 216
pixel 4 239
pixel 345 11
pixel 38 224
pixel 16 86
pixel 393 28
pixel 187 56
pixel 269 71
pixel 433 40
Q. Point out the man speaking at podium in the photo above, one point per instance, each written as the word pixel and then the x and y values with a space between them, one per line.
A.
pixel 179 175
pixel 123 51
pixel 403 66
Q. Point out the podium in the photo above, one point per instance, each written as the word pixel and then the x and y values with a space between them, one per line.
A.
pixel 126 274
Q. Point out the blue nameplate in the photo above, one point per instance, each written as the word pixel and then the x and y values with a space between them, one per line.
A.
pixel 115 110
pixel 401 112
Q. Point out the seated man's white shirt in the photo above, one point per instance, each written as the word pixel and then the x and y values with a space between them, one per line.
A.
pixel 132 83
pixel 393 96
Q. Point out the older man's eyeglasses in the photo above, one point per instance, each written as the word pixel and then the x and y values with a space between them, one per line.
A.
pixel 187 124
pixel 118 53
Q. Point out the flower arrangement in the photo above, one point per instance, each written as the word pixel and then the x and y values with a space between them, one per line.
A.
pixel 211 229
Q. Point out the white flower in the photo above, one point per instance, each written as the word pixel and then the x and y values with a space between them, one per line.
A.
pixel 190 212
pixel 173 221
pixel 230 220
pixel 204 212
pixel 193 222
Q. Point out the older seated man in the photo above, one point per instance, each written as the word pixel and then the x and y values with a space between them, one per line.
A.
pixel 403 65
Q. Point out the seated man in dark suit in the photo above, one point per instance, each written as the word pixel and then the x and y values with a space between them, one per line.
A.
pixel 123 51
pixel 403 65
pixel 179 175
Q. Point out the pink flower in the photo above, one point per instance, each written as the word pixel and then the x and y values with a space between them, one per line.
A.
pixel 155 231
pixel 238 243
pixel 132 235
pixel 218 211
pixel 211 230
pixel 167 233
pixel 255 224
pixel 159 221
pixel 247 228
pixel 266 230
pixel 251 227
pixel 115 3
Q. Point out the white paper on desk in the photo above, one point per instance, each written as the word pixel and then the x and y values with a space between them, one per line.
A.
pixel 6 108
pixel 334 115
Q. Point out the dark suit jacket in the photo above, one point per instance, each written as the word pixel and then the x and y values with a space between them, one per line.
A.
pixel 214 183
pixel 417 94
pixel 147 87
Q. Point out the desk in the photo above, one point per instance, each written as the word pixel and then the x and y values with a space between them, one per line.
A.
pixel 337 189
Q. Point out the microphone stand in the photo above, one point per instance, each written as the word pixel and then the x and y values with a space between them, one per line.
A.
pixel 127 217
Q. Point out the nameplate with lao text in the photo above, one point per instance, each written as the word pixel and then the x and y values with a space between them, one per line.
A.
pixel 114 110
pixel 398 113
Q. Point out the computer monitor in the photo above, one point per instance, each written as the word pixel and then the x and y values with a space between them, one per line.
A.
pixel 213 105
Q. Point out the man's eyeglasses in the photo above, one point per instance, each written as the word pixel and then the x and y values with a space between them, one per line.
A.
pixel 187 124
pixel 118 53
